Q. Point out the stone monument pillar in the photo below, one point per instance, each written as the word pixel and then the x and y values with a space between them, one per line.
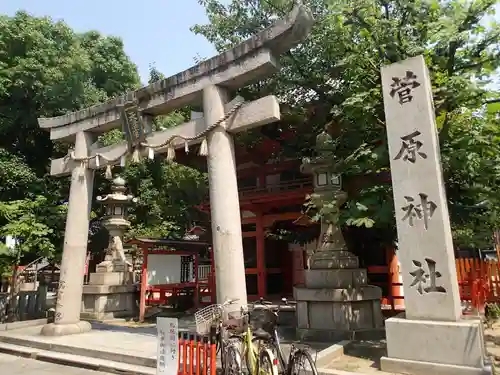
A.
pixel 431 337
pixel 335 301
pixel 67 317
pixel 110 293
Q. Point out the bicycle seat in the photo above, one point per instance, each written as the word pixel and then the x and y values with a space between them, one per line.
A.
pixel 233 325
pixel 261 334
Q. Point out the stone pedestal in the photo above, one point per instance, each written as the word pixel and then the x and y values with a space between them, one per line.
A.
pixel 434 347
pixel 337 304
pixel 110 293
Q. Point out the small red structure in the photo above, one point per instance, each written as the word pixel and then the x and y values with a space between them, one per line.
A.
pixel 197 354
pixel 174 271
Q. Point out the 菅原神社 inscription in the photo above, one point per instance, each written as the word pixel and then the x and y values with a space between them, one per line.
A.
pixel 424 234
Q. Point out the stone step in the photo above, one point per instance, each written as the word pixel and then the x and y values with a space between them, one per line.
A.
pixel 38 346
pixel 74 360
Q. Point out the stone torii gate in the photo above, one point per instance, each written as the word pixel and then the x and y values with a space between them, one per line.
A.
pixel 208 83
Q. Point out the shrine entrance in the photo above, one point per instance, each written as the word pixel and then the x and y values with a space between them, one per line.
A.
pixel 268 267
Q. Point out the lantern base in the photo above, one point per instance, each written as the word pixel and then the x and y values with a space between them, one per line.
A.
pixel 104 302
pixel 111 278
pixel 112 266
pixel 109 295
pixel 337 304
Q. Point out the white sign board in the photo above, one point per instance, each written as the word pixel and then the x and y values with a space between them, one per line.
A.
pixel 164 269
pixel 167 358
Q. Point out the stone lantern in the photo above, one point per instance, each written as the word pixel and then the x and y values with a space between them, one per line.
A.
pixel 115 221
pixel 110 292
pixel 335 301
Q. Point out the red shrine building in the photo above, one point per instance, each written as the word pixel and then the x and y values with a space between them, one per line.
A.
pixel 272 194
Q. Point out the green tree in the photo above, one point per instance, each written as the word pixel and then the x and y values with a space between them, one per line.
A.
pixel 167 191
pixel 332 80
pixel 46 69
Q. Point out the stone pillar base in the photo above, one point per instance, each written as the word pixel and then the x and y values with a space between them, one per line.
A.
pixel 110 278
pixel 112 266
pixel 336 304
pixel 103 302
pixel 422 347
pixel 56 329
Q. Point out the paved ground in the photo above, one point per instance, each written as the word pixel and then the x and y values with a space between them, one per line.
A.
pixel 492 343
pixel 139 341
pixel 361 357
pixel 12 365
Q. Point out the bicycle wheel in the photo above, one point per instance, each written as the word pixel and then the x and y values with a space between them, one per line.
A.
pixel 259 343
pixel 232 360
pixel 237 343
pixel 302 360
pixel 267 363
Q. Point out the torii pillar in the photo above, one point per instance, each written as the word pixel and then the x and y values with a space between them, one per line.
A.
pixel 208 84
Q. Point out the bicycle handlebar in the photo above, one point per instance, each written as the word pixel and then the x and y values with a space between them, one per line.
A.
pixel 230 301
pixel 264 302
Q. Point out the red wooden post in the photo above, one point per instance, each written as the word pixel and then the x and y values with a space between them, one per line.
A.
pixel 191 354
pixel 184 354
pixel 213 352
pixel 198 355
pixel 261 256
pixel 196 283
pixel 144 284
pixel 205 355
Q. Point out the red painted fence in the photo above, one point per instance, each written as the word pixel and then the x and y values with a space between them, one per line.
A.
pixel 478 282
pixel 197 354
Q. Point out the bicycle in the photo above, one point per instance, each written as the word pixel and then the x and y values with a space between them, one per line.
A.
pixel 258 362
pixel 211 318
pixel 231 348
pixel 271 338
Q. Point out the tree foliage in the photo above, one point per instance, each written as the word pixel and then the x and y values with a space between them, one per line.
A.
pixel 35 225
pixel 46 69
pixel 332 81
pixel 167 192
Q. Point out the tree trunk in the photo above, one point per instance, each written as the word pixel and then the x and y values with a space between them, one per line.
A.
pixel 11 310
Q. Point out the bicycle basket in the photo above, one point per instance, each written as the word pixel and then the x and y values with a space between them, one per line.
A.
pixel 206 317
pixel 262 318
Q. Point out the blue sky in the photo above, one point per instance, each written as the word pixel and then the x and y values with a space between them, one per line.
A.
pixel 153 31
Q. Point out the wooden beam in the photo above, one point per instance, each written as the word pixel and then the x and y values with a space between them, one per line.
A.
pixel 257 113
pixel 268 220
